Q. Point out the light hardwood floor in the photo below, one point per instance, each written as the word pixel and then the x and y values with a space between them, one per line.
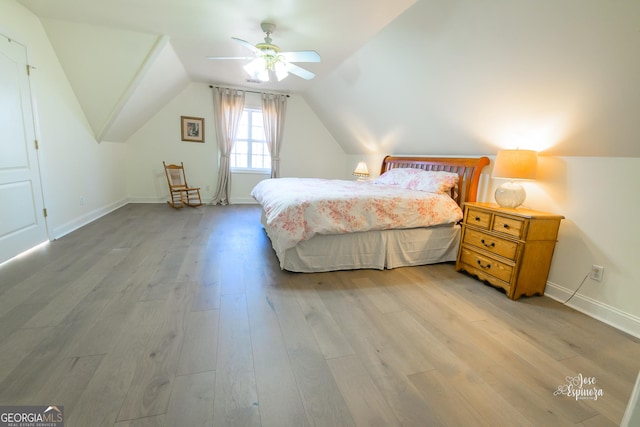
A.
pixel 157 317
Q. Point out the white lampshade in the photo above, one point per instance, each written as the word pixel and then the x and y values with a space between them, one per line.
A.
pixel 257 69
pixel 362 171
pixel 281 70
pixel 514 165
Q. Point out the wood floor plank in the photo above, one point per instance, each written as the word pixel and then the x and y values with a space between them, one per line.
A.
pixel 155 421
pixel 327 333
pixel 15 318
pixel 278 394
pixel 366 404
pixel 24 380
pixel 397 348
pixel 66 381
pixel 236 399
pixel 155 372
pixel 378 357
pixel 324 405
pixel 450 408
pixel 192 400
pixel 46 282
pixel 200 346
pixel 62 304
pixel 15 346
pixel 102 399
pixel 121 290
pixel 376 294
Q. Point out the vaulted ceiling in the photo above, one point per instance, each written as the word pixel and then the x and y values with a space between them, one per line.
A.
pixel 460 77
pixel 109 48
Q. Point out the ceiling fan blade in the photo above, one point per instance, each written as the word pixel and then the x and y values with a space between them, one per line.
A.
pixel 246 44
pixel 299 71
pixel 301 56
pixel 230 57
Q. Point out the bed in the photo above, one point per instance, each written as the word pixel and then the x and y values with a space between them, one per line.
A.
pixel 408 216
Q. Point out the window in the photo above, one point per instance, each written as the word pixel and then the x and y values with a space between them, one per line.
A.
pixel 250 151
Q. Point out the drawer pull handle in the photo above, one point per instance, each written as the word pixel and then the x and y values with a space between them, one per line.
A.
pixel 491 245
pixel 486 267
pixel 505 225
pixel 477 218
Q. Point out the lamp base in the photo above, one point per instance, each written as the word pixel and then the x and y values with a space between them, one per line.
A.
pixel 510 195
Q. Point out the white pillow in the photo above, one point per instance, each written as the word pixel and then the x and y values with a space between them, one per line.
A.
pixel 418 179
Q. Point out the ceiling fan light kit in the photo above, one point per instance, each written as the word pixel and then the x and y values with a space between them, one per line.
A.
pixel 269 60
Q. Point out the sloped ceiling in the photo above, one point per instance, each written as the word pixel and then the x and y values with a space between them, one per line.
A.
pixel 469 77
pixel 101 64
pixel 460 77
pixel 108 47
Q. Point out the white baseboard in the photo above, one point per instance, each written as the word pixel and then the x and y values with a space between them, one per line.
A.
pixel 243 201
pixel 85 219
pixel 147 200
pixel 605 313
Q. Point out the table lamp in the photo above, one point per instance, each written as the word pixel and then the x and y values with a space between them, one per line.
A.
pixel 514 165
pixel 362 172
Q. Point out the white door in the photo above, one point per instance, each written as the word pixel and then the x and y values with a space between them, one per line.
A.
pixel 22 222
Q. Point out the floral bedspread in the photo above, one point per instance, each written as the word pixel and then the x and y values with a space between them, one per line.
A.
pixel 296 209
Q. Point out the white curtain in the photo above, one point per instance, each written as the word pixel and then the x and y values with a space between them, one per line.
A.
pixel 274 108
pixel 227 109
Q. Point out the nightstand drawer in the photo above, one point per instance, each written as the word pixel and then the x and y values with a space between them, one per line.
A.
pixel 488 265
pixel 504 248
pixel 511 226
pixel 478 218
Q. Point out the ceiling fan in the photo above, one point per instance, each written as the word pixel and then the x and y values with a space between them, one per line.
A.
pixel 269 59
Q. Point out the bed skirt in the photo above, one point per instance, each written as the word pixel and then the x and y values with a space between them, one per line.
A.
pixel 373 249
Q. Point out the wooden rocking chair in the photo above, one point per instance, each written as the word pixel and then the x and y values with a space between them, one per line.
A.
pixel 179 191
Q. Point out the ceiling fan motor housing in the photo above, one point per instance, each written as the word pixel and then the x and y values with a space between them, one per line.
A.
pixel 268 27
pixel 267 45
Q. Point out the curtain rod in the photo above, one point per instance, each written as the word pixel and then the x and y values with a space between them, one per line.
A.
pixel 250 91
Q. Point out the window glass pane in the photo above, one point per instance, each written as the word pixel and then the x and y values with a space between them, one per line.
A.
pixel 241 147
pixel 240 161
pixel 243 126
pixel 256 118
pixel 257 148
pixel 250 150
pixel 238 158
pixel 258 133
pixel 260 156
pixel 260 162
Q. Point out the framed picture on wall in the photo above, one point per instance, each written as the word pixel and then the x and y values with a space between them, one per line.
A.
pixel 192 128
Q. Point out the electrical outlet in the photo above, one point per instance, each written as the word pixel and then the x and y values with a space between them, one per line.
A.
pixel 597 271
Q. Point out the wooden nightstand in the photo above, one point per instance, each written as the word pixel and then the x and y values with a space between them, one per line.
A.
pixel 508 248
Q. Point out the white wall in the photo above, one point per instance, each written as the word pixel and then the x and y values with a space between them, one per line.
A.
pixel 598 199
pixel 160 140
pixel 308 149
pixel 73 165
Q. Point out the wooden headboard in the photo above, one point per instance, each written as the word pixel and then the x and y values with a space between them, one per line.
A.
pixel 468 169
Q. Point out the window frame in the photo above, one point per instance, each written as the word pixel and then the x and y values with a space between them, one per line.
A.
pixel 250 140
